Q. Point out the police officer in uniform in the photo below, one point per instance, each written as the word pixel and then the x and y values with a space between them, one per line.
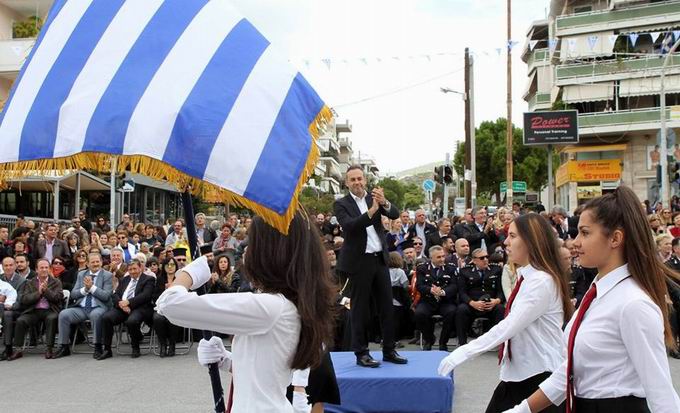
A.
pixel 436 282
pixel 481 294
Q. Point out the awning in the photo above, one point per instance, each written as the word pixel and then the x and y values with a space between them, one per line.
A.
pixel 588 92
pixel 592 44
pixel 594 148
pixel 532 85
pixel 648 86
pixel 665 27
pixel 45 182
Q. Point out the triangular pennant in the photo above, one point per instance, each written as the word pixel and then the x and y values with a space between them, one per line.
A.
pixel 612 38
pixel 327 62
pixel 592 41
pixel 364 61
pixel 307 63
pixel 655 35
pixel 572 44
pixel 427 56
pixel 498 50
pixel 532 44
pixel 676 35
pixel 552 43
pixel 633 38
pixel 511 44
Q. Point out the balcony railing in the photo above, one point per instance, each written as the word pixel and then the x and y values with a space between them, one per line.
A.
pixel 538 56
pixel 643 65
pixel 646 14
pixel 13 54
pixel 539 99
pixel 622 118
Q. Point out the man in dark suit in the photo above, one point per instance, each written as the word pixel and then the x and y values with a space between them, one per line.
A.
pixel 421 228
pixel 560 221
pixel 10 313
pixel 364 259
pixel 131 305
pixel 435 237
pixel 51 247
pixel 41 300
pixel 481 233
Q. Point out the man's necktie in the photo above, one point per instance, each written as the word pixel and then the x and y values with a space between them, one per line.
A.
pixel 507 311
pixel 131 290
pixel 88 298
pixel 585 304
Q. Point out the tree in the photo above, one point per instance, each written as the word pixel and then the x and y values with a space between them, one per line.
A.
pixel 530 163
pixel 316 202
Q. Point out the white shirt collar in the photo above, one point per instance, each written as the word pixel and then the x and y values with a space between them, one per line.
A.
pixel 356 198
pixel 527 271
pixel 610 280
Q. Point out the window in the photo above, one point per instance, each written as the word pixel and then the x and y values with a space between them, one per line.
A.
pixel 583 9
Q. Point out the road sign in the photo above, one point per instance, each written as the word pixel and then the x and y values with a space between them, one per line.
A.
pixel 128 185
pixel 517 186
pixel 428 185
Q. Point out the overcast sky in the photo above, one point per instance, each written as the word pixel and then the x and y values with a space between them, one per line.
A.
pixel 417 125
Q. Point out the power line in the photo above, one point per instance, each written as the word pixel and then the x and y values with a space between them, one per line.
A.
pixel 398 90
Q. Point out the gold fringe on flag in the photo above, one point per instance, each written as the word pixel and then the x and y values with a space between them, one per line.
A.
pixel 155 169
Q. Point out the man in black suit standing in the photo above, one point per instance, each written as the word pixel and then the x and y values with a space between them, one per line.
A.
pixel 363 258
pixel 481 233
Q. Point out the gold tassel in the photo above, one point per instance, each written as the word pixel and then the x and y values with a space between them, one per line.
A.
pixel 161 171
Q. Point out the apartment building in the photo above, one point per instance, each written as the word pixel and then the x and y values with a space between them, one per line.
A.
pixel 336 157
pixel 604 58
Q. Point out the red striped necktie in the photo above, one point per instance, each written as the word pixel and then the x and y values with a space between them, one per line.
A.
pixel 585 304
pixel 507 311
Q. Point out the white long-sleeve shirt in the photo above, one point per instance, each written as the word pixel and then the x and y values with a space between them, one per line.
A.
pixel 9 292
pixel 266 329
pixel 619 349
pixel 534 325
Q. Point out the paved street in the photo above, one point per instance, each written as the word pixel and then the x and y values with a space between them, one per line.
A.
pixel 79 384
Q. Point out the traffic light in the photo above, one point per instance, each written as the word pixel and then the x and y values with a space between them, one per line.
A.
pixel 448 175
pixel 439 174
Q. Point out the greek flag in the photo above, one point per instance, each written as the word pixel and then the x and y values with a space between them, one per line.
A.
pixel 183 90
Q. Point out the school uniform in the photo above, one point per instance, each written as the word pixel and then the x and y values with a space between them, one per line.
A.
pixel 616 353
pixel 530 337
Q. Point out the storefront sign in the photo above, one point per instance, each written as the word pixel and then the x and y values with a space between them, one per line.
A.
pixel 589 171
pixel 558 127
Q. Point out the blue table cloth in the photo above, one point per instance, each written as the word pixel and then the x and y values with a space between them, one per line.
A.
pixel 412 388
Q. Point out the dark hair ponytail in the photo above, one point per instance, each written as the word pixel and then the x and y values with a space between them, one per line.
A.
pixel 544 254
pixel 622 210
pixel 296 266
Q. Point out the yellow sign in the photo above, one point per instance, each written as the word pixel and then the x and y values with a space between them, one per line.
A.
pixel 589 171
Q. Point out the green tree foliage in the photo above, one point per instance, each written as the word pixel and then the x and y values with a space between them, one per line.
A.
pixel 402 195
pixel 530 162
pixel 316 202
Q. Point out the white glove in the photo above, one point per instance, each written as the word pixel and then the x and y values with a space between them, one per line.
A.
pixel 300 403
pixel 300 378
pixel 213 351
pixel 520 408
pixel 449 363
pixel 199 271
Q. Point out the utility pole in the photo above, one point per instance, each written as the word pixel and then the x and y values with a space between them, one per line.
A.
pixel 508 138
pixel 470 98
pixel 445 203
pixel 468 138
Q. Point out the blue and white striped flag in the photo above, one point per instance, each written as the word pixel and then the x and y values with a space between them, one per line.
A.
pixel 183 90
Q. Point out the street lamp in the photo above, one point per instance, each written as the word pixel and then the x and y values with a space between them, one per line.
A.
pixel 470 177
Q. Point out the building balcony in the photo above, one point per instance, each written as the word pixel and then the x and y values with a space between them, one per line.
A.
pixel 329 145
pixel 539 101
pixel 598 71
pixel 626 121
pixel 332 167
pixel 13 54
pixel 343 127
pixel 345 143
pixel 330 185
pixel 538 57
pixel 28 7
pixel 657 13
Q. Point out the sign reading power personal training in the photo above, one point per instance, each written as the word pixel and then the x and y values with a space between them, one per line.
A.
pixel 551 128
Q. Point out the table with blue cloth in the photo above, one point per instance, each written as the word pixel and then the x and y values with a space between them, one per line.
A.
pixel 411 388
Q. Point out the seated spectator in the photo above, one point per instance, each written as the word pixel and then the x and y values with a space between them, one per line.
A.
pixel 11 313
pixel 409 259
pixel 204 234
pixel 41 301
pixel 99 242
pixel 177 235
pixel 181 257
pixel 23 268
pixel 509 278
pixel 401 302
pixel 8 296
pixel 206 251
pixel 58 270
pixel 150 236
pixel 102 225
pixel 72 243
pixel 448 245
pixel 165 330
pixel 142 259
pixel 395 236
pixel 461 257
pixel 50 246
pixel 438 289
pixel 132 305
pixel 481 294
pixel 222 279
pixel 418 246
pixel 129 249
pixel 92 297
pixel 481 233
pixel 117 267
pixel 435 237
pixel 152 265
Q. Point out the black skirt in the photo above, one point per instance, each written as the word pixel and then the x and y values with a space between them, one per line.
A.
pixel 627 404
pixel 322 386
pixel 511 393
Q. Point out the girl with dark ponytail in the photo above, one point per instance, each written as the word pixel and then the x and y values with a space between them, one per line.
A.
pixel 617 340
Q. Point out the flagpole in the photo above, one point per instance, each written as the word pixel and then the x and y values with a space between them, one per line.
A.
pixel 213 369
pixel 112 209
pixel 663 138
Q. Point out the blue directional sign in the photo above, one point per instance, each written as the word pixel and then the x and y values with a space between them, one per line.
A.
pixel 428 185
